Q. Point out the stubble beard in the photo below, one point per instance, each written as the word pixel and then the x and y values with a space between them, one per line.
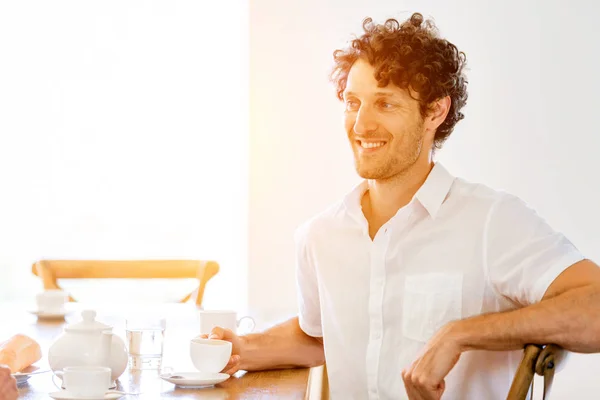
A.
pixel 397 163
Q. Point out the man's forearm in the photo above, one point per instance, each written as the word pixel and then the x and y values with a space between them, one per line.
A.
pixel 283 346
pixel 570 320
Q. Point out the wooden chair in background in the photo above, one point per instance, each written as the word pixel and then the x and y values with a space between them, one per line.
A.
pixel 52 270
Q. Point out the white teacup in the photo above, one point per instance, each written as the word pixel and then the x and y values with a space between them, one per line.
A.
pixel 210 355
pixel 91 382
pixel 225 319
pixel 52 301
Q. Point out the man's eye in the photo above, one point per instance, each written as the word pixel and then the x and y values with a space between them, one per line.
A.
pixel 351 105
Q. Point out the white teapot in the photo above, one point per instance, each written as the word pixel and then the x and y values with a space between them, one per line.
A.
pixel 89 343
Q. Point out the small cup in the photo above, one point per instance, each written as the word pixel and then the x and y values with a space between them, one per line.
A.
pixel 92 382
pixel 210 355
pixel 52 301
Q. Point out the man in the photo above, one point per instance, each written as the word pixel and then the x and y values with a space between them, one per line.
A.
pixel 8 385
pixel 419 284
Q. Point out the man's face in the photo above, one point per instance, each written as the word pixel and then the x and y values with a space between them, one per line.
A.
pixel 384 125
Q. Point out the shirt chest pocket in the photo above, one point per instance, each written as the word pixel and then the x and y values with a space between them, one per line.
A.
pixel 430 302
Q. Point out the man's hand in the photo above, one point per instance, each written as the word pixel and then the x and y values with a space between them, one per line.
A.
pixel 424 379
pixel 8 385
pixel 233 365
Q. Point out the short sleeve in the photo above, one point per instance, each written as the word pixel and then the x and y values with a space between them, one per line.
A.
pixel 524 255
pixel 309 311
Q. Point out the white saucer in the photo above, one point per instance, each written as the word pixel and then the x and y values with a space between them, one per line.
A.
pixel 64 395
pixel 50 315
pixel 24 375
pixel 195 379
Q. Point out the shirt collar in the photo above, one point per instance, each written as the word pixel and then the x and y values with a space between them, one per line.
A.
pixel 431 194
pixel 435 189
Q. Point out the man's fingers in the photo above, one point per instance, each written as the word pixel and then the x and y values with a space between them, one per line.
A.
pixel 216 333
pixel 419 385
pixel 225 334
pixel 406 374
pixel 426 378
pixel 232 366
pixel 233 360
pixel 411 391
pixel 219 333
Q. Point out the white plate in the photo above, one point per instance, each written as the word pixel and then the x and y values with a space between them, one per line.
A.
pixel 24 375
pixel 50 315
pixel 195 379
pixel 64 395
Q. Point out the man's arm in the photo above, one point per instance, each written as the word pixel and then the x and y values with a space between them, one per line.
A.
pixel 282 346
pixel 285 345
pixel 568 315
pixel 537 268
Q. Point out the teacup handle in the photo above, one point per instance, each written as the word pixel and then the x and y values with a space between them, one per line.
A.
pixel 60 375
pixel 252 323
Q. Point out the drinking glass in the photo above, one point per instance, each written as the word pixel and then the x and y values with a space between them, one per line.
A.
pixel 145 342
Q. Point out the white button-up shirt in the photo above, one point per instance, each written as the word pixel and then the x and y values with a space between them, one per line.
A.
pixel 457 250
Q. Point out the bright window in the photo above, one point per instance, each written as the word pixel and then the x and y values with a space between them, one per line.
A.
pixel 124 134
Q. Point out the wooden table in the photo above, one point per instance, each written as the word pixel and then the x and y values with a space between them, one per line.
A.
pixel 182 325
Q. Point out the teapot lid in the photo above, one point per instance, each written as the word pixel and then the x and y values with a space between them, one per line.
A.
pixel 89 323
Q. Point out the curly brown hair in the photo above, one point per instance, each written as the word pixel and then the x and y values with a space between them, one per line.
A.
pixel 412 55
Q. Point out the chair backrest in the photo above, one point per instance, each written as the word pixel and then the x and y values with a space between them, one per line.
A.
pixel 538 359
pixel 52 270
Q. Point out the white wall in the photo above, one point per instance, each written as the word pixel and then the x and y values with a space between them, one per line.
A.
pixel 123 134
pixel 530 127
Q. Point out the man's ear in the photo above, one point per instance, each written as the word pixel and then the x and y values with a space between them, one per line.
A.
pixel 438 110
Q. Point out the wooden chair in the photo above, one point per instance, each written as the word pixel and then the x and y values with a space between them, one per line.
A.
pixel 541 360
pixel 52 270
